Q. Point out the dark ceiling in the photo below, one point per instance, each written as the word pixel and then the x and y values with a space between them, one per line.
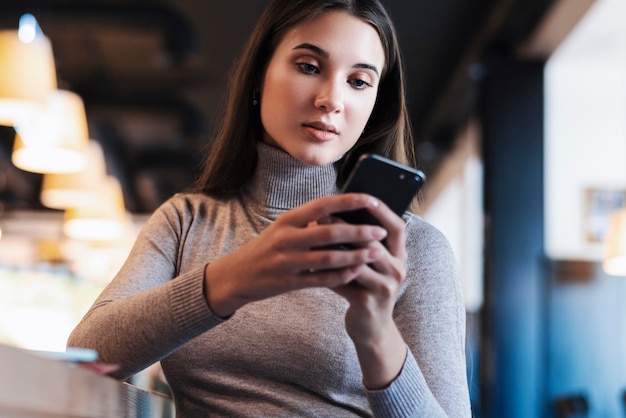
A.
pixel 152 75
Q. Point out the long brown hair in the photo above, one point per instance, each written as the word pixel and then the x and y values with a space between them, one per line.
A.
pixel 232 156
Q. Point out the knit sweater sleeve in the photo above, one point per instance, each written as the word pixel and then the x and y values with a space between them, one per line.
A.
pixel 149 309
pixel 431 317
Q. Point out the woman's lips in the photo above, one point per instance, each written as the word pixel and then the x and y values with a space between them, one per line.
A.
pixel 320 131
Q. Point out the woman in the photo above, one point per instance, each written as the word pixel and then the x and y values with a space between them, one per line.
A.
pixel 227 286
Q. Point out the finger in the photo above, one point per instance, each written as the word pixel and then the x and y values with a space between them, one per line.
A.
pixel 366 285
pixel 385 264
pixel 350 290
pixel 394 224
pixel 371 282
pixel 342 233
pixel 331 259
pixel 335 278
pixel 293 240
pixel 324 207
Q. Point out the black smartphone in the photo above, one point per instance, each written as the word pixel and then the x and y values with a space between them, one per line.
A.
pixel 393 183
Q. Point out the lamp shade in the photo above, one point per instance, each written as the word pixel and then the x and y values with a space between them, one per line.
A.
pixel 614 262
pixel 55 141
pixel 103 218
pixel 65 190
pixel 27 76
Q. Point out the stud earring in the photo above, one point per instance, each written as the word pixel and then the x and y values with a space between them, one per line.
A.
pixel 255 98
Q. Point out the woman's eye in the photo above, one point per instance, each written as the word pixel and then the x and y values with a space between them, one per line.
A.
pixel 359 84
pixel 307 68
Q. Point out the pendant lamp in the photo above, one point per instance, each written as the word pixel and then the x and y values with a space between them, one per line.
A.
pixel 55 141
pixel 65 190
pixel 103 218
pixel 27 76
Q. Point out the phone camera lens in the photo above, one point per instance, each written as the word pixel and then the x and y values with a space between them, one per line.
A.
pixel 402 176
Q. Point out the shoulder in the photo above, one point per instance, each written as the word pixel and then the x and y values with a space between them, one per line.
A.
pixel 190 203
pixel 424 237
pixel 430 257
pixel 185 208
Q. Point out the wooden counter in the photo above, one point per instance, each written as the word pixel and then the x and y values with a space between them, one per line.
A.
pixel 33 386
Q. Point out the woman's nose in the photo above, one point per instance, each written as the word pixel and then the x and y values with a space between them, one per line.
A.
pixel 330 97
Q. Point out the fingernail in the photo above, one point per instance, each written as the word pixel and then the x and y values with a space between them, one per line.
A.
pixel 355 270
pixel 374 253
pixel 379 233
pixel 374 202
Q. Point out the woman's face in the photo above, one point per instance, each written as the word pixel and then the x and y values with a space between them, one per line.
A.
pixel 320 87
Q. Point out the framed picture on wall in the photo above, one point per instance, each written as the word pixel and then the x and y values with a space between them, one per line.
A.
pixel 599 204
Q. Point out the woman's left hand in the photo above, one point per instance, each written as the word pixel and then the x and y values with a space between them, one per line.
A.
pixel 372 296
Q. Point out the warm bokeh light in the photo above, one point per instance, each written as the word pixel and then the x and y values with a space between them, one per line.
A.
pixel 103 218
pixel 27 76
pixel 39 308
pixel 615 245
pixel 65 190
pixel 55 141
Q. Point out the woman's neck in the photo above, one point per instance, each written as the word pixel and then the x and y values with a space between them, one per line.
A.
pixel 282 182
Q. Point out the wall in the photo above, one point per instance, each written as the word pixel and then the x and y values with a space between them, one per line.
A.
pixel 585 128
pixel 585 149
pixel 587 339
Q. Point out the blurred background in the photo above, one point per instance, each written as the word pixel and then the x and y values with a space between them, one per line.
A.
pixel 518 107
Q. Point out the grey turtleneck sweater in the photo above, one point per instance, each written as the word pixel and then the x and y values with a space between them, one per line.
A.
pixel 288 355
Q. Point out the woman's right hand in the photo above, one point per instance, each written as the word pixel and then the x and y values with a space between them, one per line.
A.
pixel 284 256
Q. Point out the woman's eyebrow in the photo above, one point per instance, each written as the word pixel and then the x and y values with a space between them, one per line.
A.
pixel 314 48
pixel 323 53
pixel 367 67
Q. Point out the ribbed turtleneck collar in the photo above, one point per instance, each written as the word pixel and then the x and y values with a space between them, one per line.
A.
pixel 283 182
